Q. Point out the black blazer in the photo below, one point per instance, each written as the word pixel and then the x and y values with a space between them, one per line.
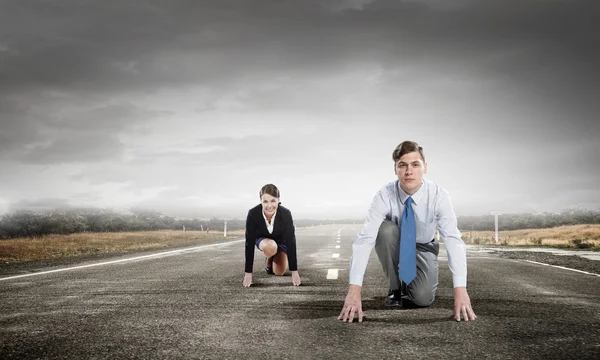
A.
pixel 283 233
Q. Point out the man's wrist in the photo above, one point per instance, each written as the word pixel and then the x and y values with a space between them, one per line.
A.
pixel 354 288
pixel 460 289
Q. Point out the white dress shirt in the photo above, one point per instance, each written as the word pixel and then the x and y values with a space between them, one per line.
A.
pixel 432 207
pixel 270 226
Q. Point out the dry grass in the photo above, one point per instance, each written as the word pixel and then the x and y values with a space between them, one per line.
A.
pixel 573 236
pixel 85 244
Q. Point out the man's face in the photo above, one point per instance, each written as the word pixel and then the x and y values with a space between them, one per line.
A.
pixel 410 169
pixel 269 204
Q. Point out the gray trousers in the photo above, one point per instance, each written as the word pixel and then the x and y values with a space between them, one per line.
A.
pixel 421 291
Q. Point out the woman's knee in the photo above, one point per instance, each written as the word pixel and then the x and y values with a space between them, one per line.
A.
pixel 268 246
pixel 268 242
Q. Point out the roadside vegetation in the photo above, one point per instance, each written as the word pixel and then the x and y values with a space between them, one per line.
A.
pixel 566 237
pixel 89 244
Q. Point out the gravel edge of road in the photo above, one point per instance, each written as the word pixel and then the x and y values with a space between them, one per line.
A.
pixel 569 261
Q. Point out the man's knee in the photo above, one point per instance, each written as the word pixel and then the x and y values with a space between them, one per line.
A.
pixel 388 232
pixel 422 296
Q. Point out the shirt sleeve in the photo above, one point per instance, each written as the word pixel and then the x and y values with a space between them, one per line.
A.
pixel 455 246
pixel 361 249
pixel 290 241
pixel 251 235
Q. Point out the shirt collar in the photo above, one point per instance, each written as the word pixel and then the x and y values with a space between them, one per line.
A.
pixel 416 197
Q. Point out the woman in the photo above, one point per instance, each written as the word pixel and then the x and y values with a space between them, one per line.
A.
pixel 269 227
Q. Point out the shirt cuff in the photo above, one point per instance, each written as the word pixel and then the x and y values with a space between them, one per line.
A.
pixel 358 263
pixel 459 281
pixel 356 279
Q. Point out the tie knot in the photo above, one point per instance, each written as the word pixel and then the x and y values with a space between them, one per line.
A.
pixel 409 201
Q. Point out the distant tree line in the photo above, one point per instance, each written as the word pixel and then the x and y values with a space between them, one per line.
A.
pixel 24 223
pixel 34 224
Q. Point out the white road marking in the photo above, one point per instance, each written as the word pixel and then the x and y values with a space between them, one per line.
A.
pixel 338 241
pixel 335 256
pixel 337 246
pixel 564 268
pixel 332 274
pixel 173 252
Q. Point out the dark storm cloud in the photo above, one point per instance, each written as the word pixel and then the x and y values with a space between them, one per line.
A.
pixel 86 135
pixel 145 45
pixel 18 127
pixel 541 50
pixel 133 45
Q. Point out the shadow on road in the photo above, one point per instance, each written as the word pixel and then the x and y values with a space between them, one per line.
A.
pixel 331 309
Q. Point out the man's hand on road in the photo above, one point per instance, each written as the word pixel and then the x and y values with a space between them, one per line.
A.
pixel 352 305
pixel 462 305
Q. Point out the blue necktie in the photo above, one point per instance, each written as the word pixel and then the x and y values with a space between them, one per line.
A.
pixel 408 244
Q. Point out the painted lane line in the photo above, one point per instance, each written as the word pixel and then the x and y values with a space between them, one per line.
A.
pixel 338 241
pixel 173 252
pixel 335 256
pixel 332 274
pixel 564 268
pixel 337 246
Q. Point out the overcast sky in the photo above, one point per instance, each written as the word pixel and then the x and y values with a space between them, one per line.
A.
pixel 189 107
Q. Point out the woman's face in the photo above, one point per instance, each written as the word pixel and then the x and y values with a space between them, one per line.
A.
pixel 269 204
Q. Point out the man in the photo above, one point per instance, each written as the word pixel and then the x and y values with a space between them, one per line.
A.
pixel 400 225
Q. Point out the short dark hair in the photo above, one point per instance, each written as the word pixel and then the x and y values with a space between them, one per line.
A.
pixel 269 189
pixel 406 147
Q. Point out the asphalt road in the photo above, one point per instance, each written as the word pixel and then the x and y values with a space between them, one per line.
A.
pixel 190 304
